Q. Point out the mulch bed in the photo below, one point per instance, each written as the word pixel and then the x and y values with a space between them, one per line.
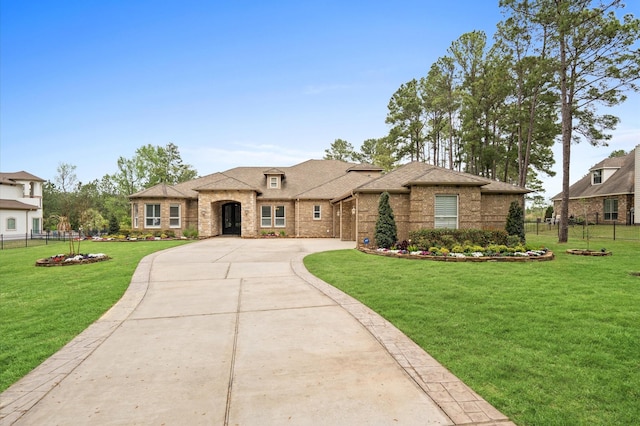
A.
pixel 60 261
pixel 547 256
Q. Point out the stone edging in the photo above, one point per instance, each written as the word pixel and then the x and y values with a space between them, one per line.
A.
pixel 582 252
pixel 547 256
pixel 458 401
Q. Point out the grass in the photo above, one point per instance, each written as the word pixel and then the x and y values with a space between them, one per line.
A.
pixel 44 308
pixel 547 343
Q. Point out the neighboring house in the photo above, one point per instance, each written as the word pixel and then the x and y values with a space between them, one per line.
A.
pixel 608 193
pixel 324 198
pixel 20 204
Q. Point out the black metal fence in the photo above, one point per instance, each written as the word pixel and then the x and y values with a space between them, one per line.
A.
pixel 587 230
pixel 34 239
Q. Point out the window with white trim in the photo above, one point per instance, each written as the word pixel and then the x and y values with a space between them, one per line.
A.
pixel 279 217
pixel 174 216
pixel 611 209
pixel 135 215
pixel 11 224
pixel 597 177
pixel 446 211
pixel 152 215
pixel 265 216
pixel 317 212
pixel 274 182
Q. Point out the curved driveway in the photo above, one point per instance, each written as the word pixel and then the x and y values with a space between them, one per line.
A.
pixel 231 331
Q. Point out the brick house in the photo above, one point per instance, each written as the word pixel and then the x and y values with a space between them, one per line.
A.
pixel 323 198
pixel 608 193
pixel 20 204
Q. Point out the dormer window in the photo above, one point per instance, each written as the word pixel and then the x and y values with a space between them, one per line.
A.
pixel 274 178
pixel 597 177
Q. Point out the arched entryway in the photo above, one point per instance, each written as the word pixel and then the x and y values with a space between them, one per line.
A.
pixel 231 219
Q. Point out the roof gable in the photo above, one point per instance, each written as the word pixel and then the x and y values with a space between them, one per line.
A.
pixel 620 182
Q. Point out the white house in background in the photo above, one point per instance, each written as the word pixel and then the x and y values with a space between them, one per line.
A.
pixel 20 204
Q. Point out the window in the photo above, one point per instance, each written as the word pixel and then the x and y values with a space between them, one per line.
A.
pixel 273 182
pixel 11 224
pixel 35 225
pixel 597 177
pixel 152 215
pixel 317 213
pixel 174 216
pixel 611 209
pixel 135 215
pixel 265 216
pixel 446 211
pixel 280 222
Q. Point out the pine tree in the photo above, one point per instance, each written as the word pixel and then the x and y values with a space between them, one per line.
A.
pixel 386 233
pixel 515 221
pixel 114 226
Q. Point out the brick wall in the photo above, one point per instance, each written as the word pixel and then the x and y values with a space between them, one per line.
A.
pixel 593 208
pixel 495 209
pixel 309 227
pixel 165 204
pixel 210 211
pixel 415 210
pixel 289 217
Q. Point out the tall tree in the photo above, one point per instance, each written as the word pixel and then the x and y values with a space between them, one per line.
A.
pixel 597 63
pixel 406 115
pixel 378 152
pixel 340 150
pixel 150 166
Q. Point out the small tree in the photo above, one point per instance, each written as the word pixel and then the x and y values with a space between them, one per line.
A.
pixel 549 213
pixel 515 221
pixel 386 231
pixel 114 225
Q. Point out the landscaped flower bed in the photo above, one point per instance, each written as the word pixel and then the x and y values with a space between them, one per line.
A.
pixel 78 259
pixel 469 254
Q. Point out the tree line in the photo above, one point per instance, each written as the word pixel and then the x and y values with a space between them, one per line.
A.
pixel 102 205
pixel 495 110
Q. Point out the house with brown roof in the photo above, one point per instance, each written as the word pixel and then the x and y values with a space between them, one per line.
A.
pixel 324 198
pixel 608 193
pixel 20 204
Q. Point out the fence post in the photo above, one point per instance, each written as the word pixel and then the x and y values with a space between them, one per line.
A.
pixel 614 230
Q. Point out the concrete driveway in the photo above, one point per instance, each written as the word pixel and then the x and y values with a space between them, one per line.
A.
pixel 231 331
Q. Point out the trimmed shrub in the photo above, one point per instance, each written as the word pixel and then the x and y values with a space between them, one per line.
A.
pixel 424 239
pixel 386 232
pixel 515 221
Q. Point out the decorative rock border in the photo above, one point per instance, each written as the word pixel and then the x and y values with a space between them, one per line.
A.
pixel 583 252
pixel 547 256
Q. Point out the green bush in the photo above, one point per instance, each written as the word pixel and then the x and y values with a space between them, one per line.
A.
pixel 515 221
pixel 190 232
pixel 386 232
pixel 426 238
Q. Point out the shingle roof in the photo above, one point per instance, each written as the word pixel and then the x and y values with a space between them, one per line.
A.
pixel 620 182
pixel 418 173
pixel 160 191
pixel 324 179
pixel 22 175
pixel 16 205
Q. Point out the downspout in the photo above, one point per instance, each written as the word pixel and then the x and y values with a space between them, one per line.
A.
pixel 297 217
pixel 340 216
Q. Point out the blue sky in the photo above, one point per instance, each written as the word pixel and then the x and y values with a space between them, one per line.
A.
pixel 238 83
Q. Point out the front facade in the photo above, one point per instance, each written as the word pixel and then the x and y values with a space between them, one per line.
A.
pixel 323 198
pixel 609 193
pixel 20 204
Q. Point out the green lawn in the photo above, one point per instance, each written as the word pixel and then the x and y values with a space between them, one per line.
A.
pixel 547 343
pixel 41 309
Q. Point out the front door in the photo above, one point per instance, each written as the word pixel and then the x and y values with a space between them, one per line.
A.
pixel 231 219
